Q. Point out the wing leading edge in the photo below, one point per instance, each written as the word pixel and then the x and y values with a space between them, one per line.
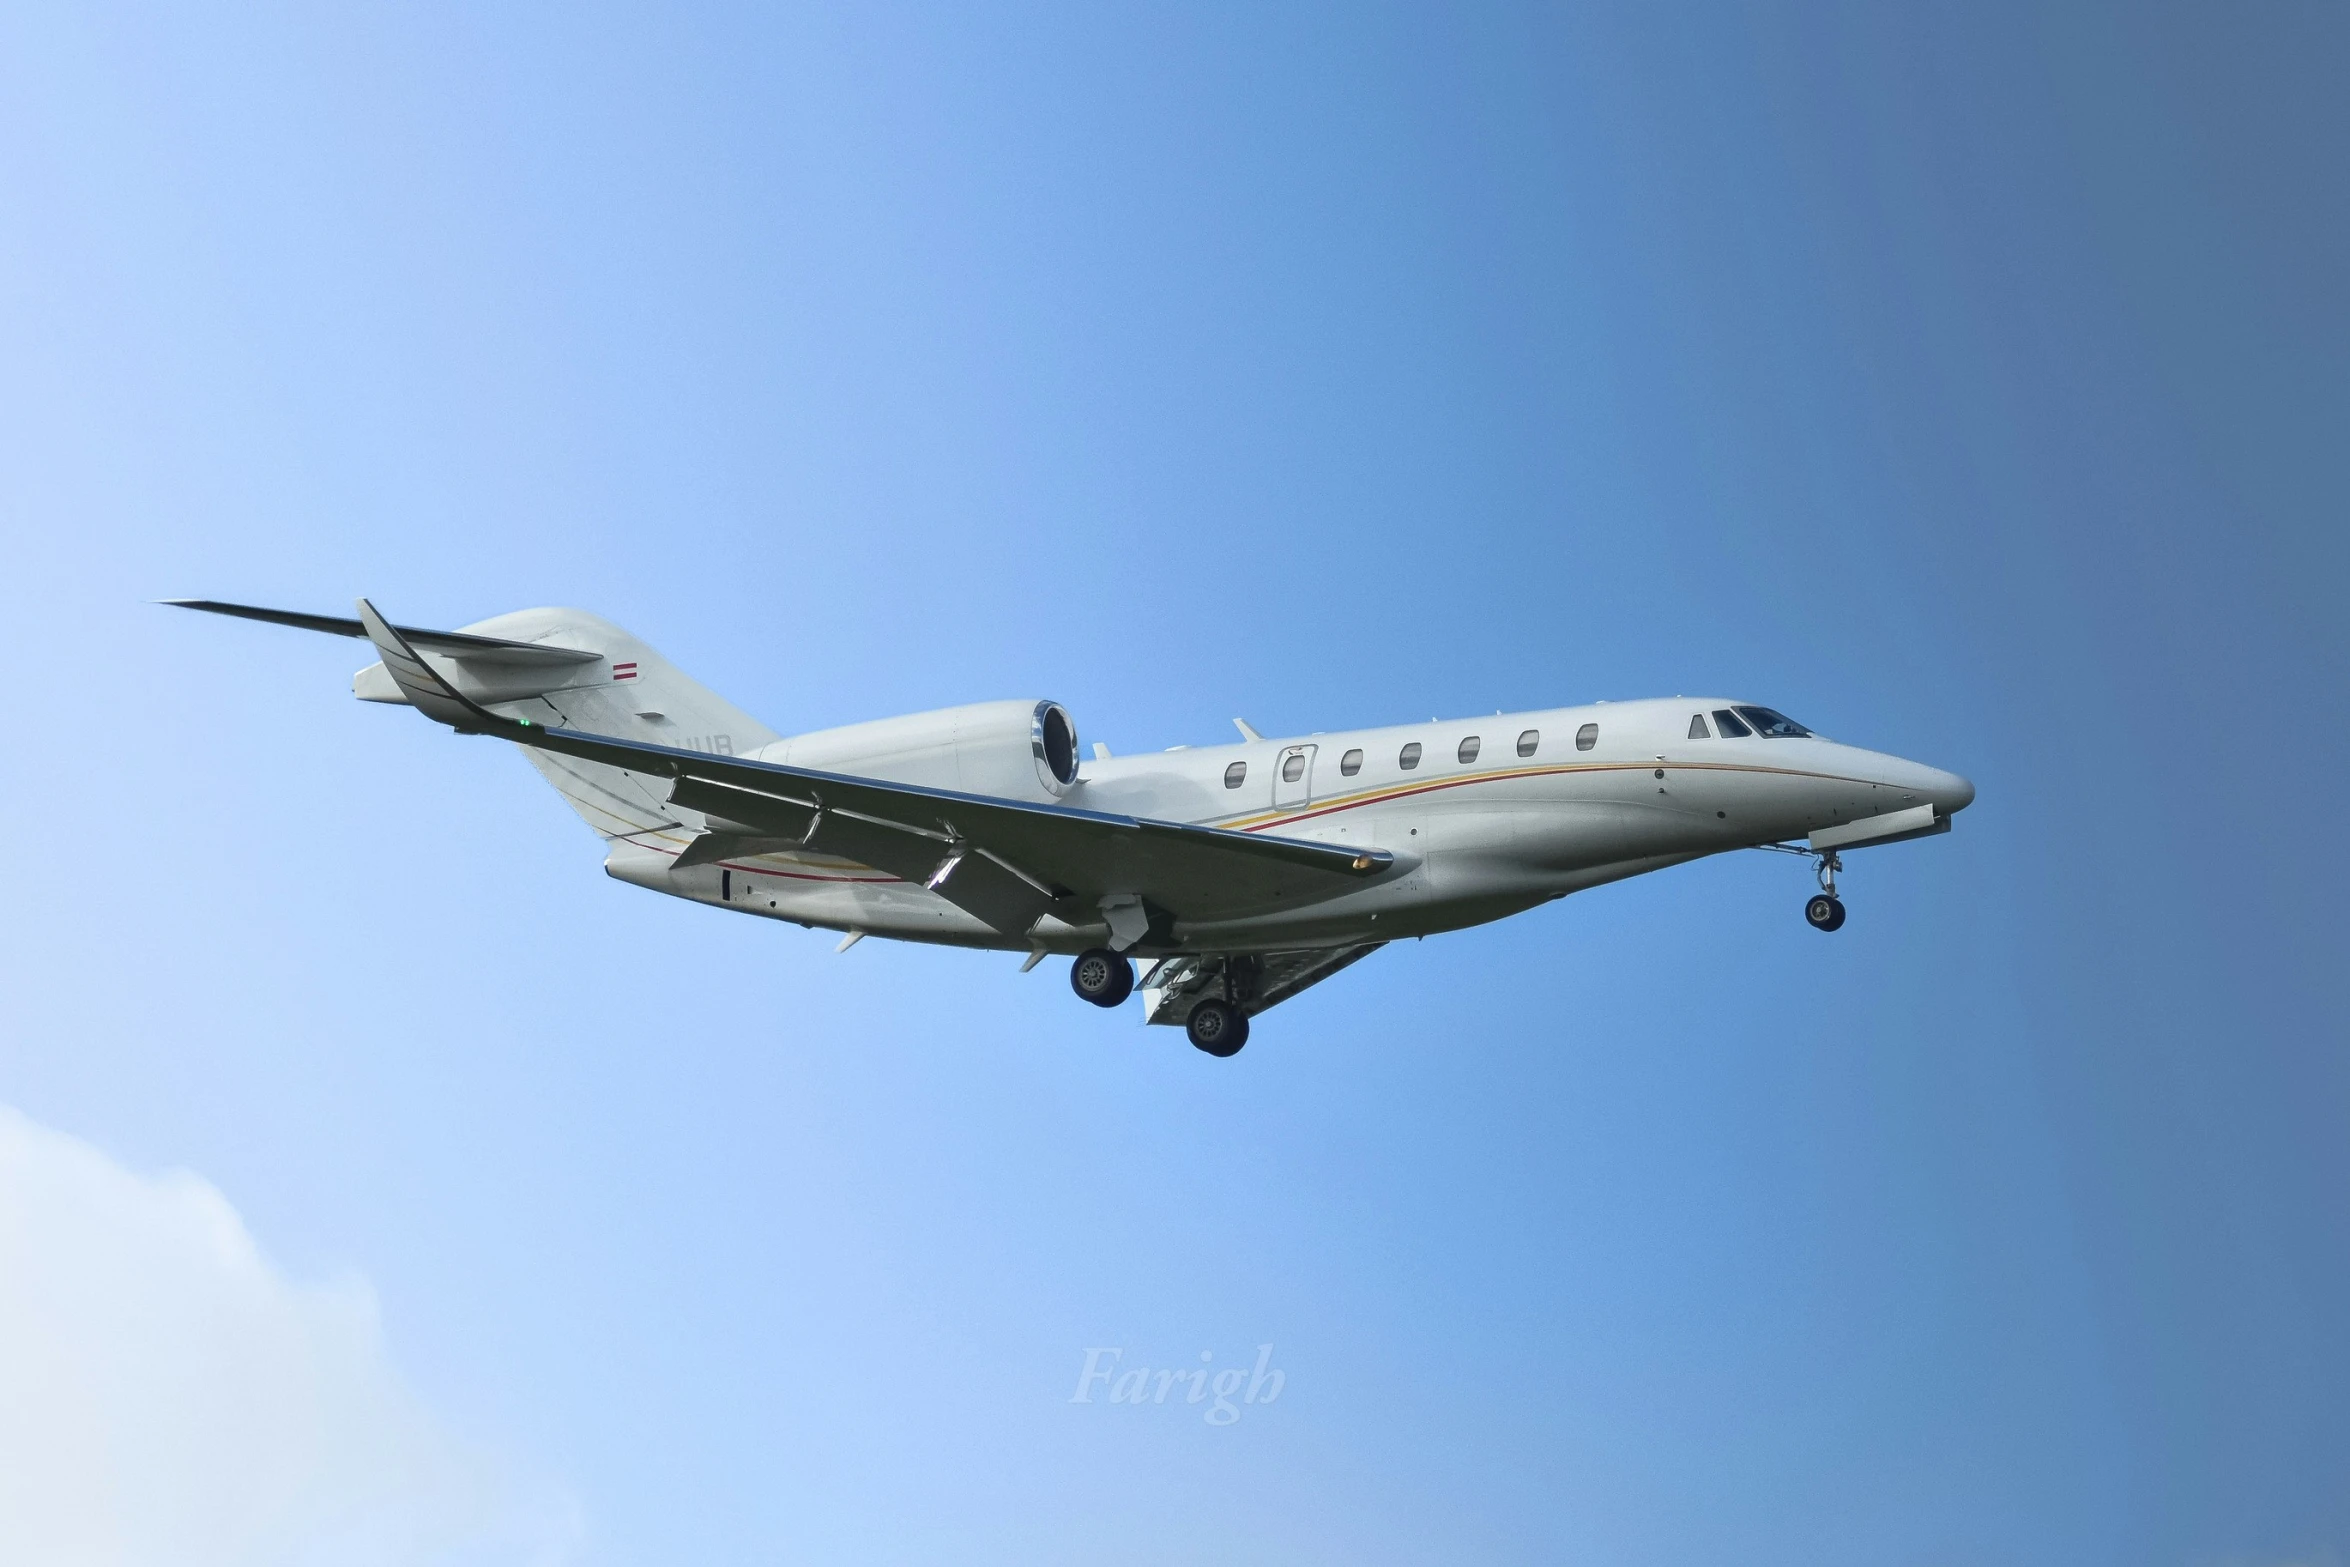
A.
pixel 1006 862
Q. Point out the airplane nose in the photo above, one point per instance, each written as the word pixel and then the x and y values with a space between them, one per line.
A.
pixel 1947 792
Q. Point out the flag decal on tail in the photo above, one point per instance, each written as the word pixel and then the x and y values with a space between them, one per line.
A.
pixel 624 671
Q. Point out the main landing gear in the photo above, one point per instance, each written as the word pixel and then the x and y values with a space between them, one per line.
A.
pixel 1216 1024
pixel 1825 911
pixel 1218 1027
pixel 1102 977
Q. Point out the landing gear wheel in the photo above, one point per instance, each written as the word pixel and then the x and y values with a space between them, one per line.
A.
pixel 1218 1027
pixel 1102 977
pixel 1825 912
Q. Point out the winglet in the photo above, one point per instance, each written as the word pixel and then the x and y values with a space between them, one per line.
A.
pixel 420 683
pixel 1246 733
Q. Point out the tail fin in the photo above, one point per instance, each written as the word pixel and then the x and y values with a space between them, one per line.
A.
pixel 560 667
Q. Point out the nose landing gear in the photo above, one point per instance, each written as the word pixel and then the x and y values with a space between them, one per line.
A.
pixel 1825 911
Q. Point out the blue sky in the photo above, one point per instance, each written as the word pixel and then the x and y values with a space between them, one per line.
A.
pixel 1968 381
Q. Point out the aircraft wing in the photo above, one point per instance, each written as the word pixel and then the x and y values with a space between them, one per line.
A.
pixel 1007 862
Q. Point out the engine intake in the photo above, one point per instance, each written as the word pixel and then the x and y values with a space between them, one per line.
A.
pixel 1053 740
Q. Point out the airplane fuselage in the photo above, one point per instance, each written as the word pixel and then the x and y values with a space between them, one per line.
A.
pixel 1484 818
pixel 1244 873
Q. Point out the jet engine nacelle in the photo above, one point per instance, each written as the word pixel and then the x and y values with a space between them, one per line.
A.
pixel 1011 750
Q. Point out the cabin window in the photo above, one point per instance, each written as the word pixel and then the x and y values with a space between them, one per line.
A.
pixel 1731 725
pixel 1468 750
pixel 1586 737
pixel 1351 763
pixel 1697 729
pixel 1235 775
pixel 1409 757
pixel 1773 726
pixel 1293 767
pixel 1528 741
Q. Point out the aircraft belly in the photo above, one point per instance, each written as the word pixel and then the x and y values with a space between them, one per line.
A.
pixel 1332 924
pixel 896 909
pixel 1572 837
pixel 836 896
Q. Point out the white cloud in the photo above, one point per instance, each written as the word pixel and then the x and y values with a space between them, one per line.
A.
pixel 168 1396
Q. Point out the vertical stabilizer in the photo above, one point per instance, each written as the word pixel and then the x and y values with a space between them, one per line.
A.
pixel 628 691
pixel 558 668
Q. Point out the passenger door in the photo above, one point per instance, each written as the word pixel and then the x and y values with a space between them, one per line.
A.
pixel 1293 776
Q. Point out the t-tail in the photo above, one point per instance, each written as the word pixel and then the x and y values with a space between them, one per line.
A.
pixel 561 669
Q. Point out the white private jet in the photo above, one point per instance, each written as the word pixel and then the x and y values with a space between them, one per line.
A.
pixel 1243 872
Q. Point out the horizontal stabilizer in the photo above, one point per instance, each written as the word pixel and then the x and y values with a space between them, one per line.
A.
pixel 449 644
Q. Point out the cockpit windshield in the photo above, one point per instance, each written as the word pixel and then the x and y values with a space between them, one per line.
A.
pixel 1773 726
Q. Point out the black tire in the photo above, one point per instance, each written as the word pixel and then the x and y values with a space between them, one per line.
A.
pixel 1218 1027
pixel 1824 912
pixel 1102 977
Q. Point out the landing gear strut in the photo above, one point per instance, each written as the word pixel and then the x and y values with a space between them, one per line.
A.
pixel 1826 911
pixel 1102 977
